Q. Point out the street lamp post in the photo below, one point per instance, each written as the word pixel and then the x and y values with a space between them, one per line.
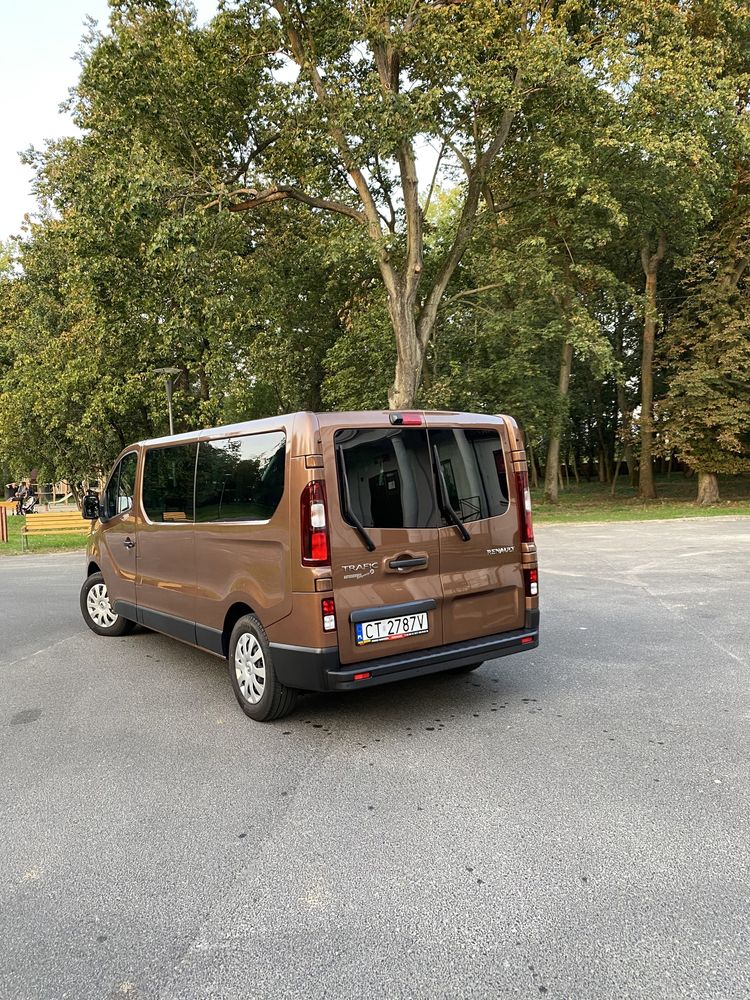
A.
pixel 169 381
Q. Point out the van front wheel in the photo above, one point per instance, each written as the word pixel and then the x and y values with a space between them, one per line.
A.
pixel 97 611
pixel 256 687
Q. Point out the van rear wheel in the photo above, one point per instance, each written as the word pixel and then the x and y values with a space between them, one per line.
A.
pixel 256 687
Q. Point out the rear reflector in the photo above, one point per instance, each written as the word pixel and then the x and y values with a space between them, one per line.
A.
pixel 361 677
pixel 531 578
pixel 527 639
pixel 523 499
pixel 406 419
pixel 328 610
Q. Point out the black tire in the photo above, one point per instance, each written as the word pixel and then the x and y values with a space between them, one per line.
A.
pixel 468 668
pixel 274 699
pixel 119 625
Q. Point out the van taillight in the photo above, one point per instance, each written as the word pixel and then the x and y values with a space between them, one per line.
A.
pixel 314 525
pixel 406 419
pixel 523 498
pixel 531 577
pixel 328 610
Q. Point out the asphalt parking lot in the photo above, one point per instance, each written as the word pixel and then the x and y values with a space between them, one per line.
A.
pixel 572 822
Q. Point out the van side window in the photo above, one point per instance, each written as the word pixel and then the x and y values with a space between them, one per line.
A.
pixel 118 496
pixel 240 478
pixel 473 467
pixel 168 483
pixel 389 474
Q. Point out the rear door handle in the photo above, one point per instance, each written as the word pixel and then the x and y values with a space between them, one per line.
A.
pixel 129 544
pixel 408 562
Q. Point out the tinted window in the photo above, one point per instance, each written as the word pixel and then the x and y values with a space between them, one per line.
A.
pixel 240 478
pixel 473 467
pixel 168 483
pixel 390 477
pixel 118 496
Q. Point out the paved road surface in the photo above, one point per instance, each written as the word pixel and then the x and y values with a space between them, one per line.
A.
pixel 572 822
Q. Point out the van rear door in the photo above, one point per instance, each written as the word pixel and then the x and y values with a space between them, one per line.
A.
pixel 480 559
pixel 379 480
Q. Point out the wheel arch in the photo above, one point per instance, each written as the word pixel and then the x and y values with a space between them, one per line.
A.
pixel 238 610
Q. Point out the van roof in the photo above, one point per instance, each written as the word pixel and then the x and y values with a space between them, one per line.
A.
pixel 325 417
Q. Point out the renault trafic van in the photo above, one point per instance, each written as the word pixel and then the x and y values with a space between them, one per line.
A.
pixel 321 551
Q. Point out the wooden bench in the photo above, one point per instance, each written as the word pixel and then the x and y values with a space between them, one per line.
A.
pixel 40 525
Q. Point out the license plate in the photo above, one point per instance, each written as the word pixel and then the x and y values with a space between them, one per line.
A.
pixel 391 628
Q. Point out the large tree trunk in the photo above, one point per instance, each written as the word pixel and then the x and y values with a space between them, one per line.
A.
pixel 409 355
pixel 708 488
pixel 603 464
pixel 646 487
pixel 627 446
pixel 553 452
pixel 532 467
pixel 623 408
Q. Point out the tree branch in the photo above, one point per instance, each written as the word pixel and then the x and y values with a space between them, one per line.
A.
pixel 281 192
pixel 464 230
pixel 378 172
pixel 467 221
pixel 413 216
pixel 307 65
pixel 461 157
pixel 651 262
pixel 488 157
pixel 739 270
pixel 476 291
pixel 426 205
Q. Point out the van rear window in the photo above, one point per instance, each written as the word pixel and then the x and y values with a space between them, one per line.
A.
pixel 473 467
pixel 389 473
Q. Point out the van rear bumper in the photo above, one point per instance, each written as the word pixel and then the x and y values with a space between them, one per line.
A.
pixel 321 670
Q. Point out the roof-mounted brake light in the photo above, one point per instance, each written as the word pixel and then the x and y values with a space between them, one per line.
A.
pixel 406 419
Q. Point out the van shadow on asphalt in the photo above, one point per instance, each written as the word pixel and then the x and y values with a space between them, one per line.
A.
pixel 428 704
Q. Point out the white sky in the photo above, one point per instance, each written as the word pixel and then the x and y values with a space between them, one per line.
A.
pixel 38 40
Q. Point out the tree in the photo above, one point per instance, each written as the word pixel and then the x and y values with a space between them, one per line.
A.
pixel 118 278
pixel 213 214
pixel 707 353
pixel 331 110
pixel 707 350
pixel 675 115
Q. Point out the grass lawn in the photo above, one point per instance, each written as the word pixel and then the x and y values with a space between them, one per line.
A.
pixel 582 503
pixel 40 543
pixel 592 501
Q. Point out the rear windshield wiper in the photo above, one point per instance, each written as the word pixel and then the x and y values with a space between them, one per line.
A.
pixel 347 503
pixel 445 503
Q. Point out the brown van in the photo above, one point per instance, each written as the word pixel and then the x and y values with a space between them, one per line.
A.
pixel 322 551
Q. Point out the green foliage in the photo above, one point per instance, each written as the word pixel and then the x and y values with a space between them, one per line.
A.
pixel 239 204
pixel 359 366
pixel 707 407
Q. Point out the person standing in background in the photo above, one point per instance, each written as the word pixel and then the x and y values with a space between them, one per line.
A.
pixel 21 494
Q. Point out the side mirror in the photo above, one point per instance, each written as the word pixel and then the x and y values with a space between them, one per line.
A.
pixel 90 507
